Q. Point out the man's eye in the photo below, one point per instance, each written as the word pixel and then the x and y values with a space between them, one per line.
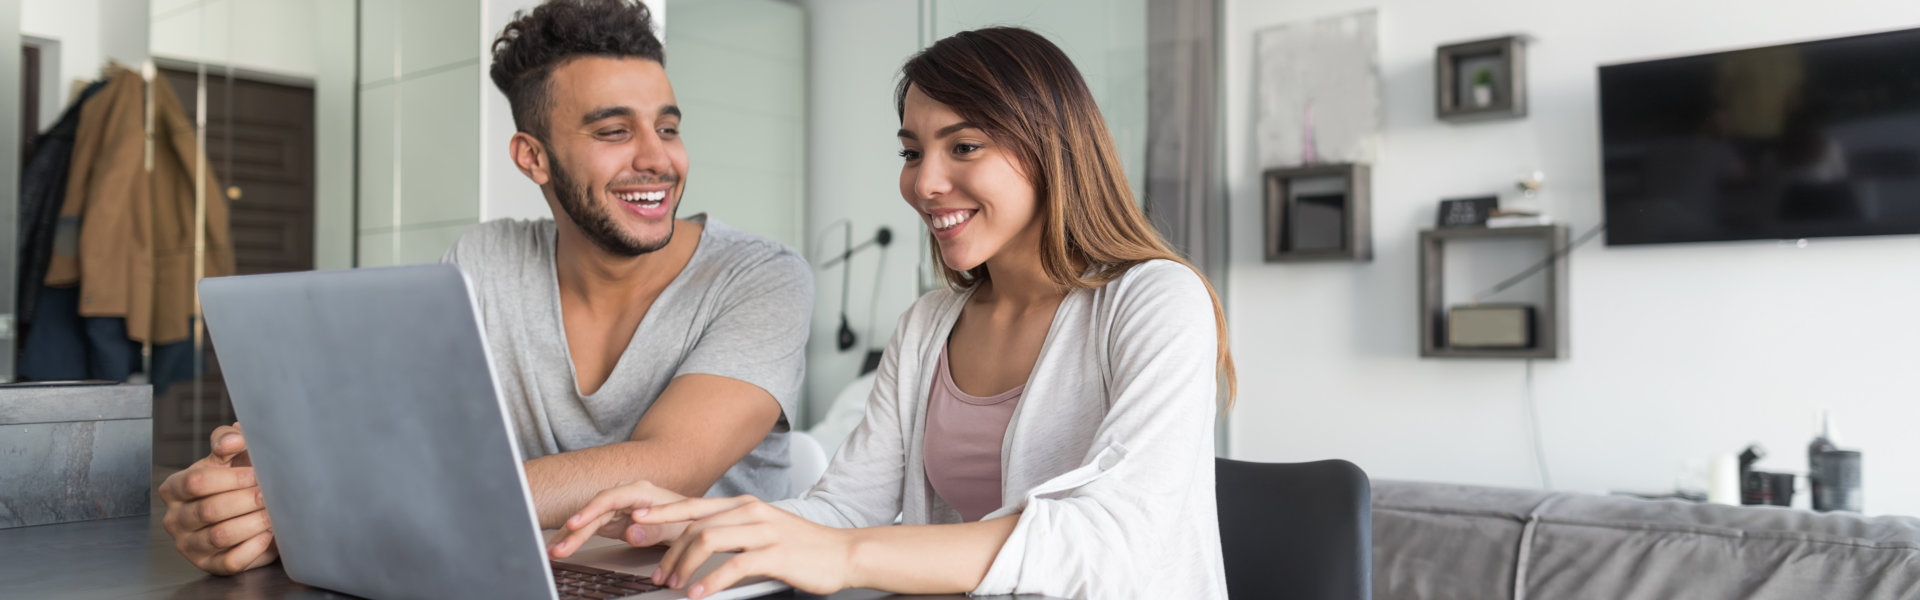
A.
pixel 613 133
pixel 669 131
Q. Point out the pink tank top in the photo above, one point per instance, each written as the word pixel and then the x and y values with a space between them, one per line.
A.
pixel 962 444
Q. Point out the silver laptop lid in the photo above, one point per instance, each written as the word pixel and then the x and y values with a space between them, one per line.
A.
pixel 380 442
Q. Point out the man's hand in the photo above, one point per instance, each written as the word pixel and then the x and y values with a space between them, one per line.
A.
pixel 215 513
pixel 697 429
pixel 610 515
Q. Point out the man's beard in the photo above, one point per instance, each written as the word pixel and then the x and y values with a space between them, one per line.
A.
pixel 594 220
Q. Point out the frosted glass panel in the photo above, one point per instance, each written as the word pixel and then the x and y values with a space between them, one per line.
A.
pixel 739 71
pixel 268 89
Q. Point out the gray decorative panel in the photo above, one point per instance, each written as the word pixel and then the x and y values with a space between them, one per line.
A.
pixel 74 454
pixel 1318 91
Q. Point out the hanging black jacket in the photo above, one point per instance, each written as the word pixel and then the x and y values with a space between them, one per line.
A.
pixel 43 188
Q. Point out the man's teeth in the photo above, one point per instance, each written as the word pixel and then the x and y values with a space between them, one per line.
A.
pixel 643 197
pixel 949 220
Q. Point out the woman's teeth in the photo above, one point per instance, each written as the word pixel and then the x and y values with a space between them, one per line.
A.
pixel 648 199
pixel 949 220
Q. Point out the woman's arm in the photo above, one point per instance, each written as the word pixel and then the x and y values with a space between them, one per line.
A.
pixel 914 559
pixel 928 559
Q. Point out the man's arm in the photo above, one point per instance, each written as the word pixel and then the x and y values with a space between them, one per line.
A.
pixel 698 428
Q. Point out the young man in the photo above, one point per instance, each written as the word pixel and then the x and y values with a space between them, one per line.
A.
pixel 630 344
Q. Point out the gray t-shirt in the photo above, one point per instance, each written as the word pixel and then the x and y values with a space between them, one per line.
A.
pixel 739 309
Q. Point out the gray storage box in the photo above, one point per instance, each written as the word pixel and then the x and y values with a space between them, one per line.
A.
pixel 74 453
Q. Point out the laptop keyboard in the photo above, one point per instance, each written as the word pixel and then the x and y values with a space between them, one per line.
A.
pixel 581 582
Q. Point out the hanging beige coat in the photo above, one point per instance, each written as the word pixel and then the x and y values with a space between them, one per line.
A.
pixel 136 240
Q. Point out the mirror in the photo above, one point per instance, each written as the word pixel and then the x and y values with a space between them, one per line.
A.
pixel 246 162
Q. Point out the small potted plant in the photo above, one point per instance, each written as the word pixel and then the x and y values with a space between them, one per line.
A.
pixel 1483 88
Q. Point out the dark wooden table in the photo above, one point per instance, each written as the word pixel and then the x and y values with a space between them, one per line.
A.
pixel 133 558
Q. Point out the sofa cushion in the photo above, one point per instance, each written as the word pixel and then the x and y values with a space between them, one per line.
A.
pixel 1459 541
pixel 1439 541
pixel 1609 547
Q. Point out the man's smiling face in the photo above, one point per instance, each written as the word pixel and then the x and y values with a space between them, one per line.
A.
pixel 617 166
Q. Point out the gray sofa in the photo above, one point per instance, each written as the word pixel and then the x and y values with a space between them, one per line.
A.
pixel 1439 541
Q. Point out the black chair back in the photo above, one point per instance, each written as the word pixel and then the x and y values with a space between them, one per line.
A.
pixel 1301 531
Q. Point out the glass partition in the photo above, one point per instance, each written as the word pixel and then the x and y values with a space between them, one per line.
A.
pixel 61 59
pixel 266 87
pixel 739 72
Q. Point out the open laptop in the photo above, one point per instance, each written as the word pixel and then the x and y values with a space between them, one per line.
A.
pixel 383 448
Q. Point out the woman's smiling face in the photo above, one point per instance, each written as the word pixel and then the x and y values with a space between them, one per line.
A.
pixel 970 191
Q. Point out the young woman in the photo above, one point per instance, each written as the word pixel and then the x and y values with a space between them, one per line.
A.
pixel 1044 426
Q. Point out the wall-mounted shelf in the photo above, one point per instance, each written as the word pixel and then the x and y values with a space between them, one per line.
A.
pixel 1481 80
pixel 1550 317
pixel 1318 213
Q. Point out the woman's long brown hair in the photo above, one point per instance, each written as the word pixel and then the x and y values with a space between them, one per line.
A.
pixel 1024 92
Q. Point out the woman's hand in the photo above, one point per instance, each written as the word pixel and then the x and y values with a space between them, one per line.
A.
pixel 609 515
pixel 771 542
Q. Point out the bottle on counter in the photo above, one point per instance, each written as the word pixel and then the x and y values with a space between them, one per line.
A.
pixel 1822 481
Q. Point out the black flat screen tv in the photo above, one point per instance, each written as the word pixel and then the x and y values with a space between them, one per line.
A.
pixel 1816 139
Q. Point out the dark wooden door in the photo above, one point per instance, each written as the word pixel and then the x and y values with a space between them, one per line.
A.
pixel 260 147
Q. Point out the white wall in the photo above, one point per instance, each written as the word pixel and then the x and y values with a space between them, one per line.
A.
pixel 1678 351
pixel 421 74
pixel 333 95
pixel 854 52
pixel 270 36
pixel 123 34
pixel 505 192
pixel 75 24
pixel 739 70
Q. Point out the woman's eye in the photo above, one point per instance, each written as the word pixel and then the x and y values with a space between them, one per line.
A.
pixel 910 155
pixel 965 148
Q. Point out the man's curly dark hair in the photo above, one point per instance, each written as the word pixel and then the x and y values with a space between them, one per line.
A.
pixel 537 41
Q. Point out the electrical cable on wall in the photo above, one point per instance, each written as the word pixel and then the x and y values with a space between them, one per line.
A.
pixel 1527 398
pixel 1540 266
pixel 1533 430
pixel 872 361
pixel 845 338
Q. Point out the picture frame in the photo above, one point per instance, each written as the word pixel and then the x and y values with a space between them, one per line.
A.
pixel 1466 212
pixel 1481 80
pixel 1318 213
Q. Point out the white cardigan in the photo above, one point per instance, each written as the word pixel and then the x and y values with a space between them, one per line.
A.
pixel 1108 459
